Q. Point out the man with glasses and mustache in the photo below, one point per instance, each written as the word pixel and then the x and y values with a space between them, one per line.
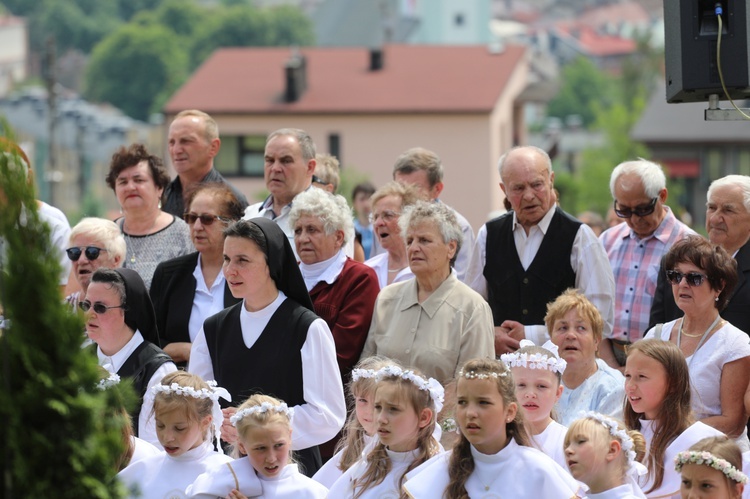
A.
pixel 635 250
pixel 727 225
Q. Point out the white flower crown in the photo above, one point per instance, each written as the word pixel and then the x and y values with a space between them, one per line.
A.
pixel 614 429
pixel 476 375
pixel 263 408
pixel 707 459
pixel 536 360
pixel 358 374
pixel 109 382
pixel 432 386
pixel 213 392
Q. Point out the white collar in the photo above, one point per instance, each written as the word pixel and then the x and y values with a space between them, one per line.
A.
pixel 200 282
pixel 543 224
pixel 327 270
pixel 266 312
pixel 196 454
pixel 114 363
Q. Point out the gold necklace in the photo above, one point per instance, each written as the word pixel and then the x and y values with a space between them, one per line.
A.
pixel 134 254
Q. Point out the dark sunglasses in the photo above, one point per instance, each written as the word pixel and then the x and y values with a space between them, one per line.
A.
pixel 694 279
pixel 99 307
pixel 205 218
pixel 92 252
pixel 639 211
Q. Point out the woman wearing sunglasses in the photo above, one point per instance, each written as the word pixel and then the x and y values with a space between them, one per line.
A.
pixel 188 289
pixel 119 316
pixel 138 179
pixel 94 243
pixel 703 277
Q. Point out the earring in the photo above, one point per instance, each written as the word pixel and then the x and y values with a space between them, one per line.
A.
pixel 716 299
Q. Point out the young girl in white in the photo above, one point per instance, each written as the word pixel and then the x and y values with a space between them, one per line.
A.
pixel 405 408
pixel 712 468
pixel 601 453
pixel 186 409
pixel 537 372
pixel 264 429
pixel 657 391
pixel 492 457
pixel 359 431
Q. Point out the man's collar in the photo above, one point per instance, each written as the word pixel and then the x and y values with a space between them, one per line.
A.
pixel 543 224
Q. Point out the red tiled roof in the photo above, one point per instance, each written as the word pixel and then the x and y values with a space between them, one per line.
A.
pixel 595 44
pixel 628 12
pixel 414 78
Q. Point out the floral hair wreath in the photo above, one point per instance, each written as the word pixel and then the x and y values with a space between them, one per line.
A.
pixel 109 382
pixel 213 392
pixel 431 385
pixel 472 374
pixel 263 408
pixel 358 374
pixel 625 441
pixel 536 360
pixel 705 458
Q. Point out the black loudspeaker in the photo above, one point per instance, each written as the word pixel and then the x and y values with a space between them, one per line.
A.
pixel 691 31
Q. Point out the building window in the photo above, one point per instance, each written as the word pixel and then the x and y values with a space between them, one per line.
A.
pixel 241 156
pixel 459 19
pixel 334 146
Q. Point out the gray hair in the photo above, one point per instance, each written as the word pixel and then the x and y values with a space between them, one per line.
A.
pixel 539 152
pixel 419 158
pixel 331 209
pixel 742 181
pixel 438 213
pixel 306 144
pixel 211 129
pixel 105 231
pixel 651 175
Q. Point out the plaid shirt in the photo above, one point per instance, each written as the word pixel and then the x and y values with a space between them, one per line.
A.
pixel 635 264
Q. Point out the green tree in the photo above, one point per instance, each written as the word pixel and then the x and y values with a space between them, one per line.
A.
pixel 584 87
pixel 76 24
pixel 136 69
pixel 57 438
pixel 184 18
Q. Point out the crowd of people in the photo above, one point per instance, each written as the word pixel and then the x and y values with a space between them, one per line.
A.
pixel 298 348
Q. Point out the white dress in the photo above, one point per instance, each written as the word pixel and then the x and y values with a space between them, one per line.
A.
pixel 166 477
pixel 387 489
pixel 330 472
pixel 142 450
pixel 516 471
pixel 670 485
pixel 624 491
pixel 292 484
pixel 220 479
pixel 726 345
pixel 552 442
pixel 603 391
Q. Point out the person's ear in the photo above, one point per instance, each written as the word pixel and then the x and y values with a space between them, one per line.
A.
pixel 215 146
pixel 425 416
pixel 242 448
pixel 512 411
pixel 205 423
pixel 613 450
pixel 339 238
pixel 452 246
pixel 559 392
pixel 436 189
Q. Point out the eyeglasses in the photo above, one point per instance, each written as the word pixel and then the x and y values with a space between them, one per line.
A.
pixel 639 211
pixel 694 279
pixel 386 215
pixel 91 252
pixel 99 307
pixel 318 180
pixel 205 218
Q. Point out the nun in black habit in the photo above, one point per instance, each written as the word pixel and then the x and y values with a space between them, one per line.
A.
pixel 272 342
pixel 120 320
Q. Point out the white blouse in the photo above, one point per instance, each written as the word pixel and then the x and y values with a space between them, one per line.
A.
pixel 323 414
pixel 552 442
pixel 343 488
pixel 330 471
pixel 379 263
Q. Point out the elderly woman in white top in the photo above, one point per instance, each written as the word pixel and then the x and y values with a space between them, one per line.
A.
pixel 387 204
pixel 575 326
pixel 703 277
pixel 433 322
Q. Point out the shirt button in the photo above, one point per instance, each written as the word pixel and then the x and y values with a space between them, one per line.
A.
pixel 631 289
pixel 636 266
pixel 407 350
pixel 525 280
pixel 627 311
pixel 413 330
pixel 525 312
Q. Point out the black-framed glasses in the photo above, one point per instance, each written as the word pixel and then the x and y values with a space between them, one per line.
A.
pixel 99 307
pixel 91 252
pixel 694 279
pixel 318 180
pixel 205 218
pixel 639 211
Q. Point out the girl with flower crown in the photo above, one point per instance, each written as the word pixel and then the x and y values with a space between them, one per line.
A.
pixel 493 457
pixel 359 432
pixel 711 468
pixel 601 453
pixel 537 372
pixel 405 407
pixel 188 417
pixel 264 429
pixel 657 389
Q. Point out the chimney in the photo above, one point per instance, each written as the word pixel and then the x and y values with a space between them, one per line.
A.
pixel 376 59
pixel 296 77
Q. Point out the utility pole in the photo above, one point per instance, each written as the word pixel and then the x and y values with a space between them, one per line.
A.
pixel 50 79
